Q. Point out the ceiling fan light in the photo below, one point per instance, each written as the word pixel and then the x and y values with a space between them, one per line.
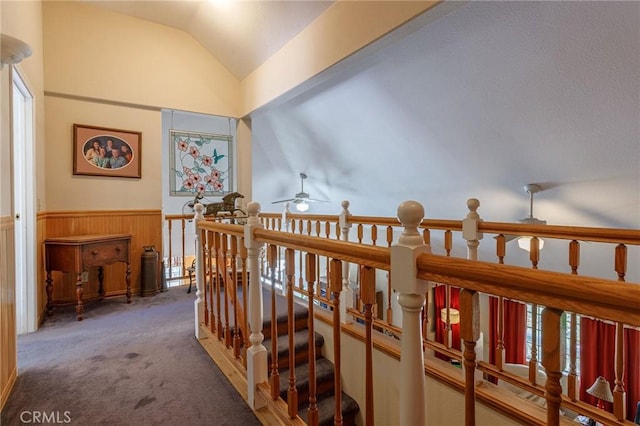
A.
pixel 302 206
pixel 525 243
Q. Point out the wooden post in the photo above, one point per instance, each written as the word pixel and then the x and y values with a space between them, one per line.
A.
pixel 224 276
pixel 274 379
pixel 234 286
pixel 368 296
pixel 292 392
pixel 335 283
pixel 310 274
pixel 619 393
pixel 411 291
pixel 572 379
pixel 257 353
pixel 199 307
pixel 470 333
pixel 245 299
pixel 551 318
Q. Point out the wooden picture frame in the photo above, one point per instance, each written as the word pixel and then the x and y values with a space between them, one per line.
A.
pixel 100 151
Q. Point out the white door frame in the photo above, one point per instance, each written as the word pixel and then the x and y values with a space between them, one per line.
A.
pixel 24 201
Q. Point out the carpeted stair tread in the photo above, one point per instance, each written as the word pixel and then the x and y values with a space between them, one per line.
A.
pixel 300 339
pixel 326 408
pixel 324 374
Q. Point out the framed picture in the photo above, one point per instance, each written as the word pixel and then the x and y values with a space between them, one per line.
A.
pixel 99 151
pixel 200 163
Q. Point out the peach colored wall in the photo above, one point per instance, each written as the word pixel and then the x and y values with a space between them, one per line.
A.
pixel 95 53
pixel 67 191
pixel 342 30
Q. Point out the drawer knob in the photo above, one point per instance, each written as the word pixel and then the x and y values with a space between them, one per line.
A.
pixel 117 248
pixel 94 252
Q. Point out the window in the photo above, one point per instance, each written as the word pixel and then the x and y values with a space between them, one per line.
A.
pixel 565 344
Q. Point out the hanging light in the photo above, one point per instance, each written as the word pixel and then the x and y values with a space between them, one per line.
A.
pixel 302 206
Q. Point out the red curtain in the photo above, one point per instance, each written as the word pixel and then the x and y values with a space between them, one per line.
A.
pixel 597 358
pixel 515 328
pixel 440 292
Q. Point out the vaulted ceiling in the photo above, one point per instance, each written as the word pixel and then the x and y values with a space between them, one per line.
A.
pixel 240 34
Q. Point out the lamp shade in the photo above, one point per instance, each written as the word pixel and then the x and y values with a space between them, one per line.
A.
pixel 302 206
pixel 601 389
pixel 454 315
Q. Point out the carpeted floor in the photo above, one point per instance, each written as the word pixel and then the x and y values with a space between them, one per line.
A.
pixel 136 364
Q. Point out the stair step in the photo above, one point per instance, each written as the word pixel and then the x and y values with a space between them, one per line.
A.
pixel 301 346
pixel 300 315
pixel 326 409
pixel 324 380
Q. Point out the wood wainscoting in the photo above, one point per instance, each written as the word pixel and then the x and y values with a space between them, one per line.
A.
pixel 145 227
pixel 8 339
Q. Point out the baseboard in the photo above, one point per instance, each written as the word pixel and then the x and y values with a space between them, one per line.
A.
pixel 8 388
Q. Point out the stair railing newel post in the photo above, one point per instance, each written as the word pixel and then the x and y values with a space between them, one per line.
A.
pixel 411 291
pixel 257 353
pixel 337 286
pixel 551 361
pixel 469 333
pixel 347 295
pixel 198 304
pixel 473 237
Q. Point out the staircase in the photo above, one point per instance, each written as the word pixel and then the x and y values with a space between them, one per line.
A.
pixel 324 368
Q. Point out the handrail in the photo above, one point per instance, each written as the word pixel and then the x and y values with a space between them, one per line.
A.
pixel 607 299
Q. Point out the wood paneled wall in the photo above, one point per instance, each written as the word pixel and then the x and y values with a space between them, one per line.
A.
pixel 8 344
pixel 145 226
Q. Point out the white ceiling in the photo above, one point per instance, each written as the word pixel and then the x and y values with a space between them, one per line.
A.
pixel 240 34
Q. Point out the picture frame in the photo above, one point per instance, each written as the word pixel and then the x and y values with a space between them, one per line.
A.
pixel 200 163
pixel 101 151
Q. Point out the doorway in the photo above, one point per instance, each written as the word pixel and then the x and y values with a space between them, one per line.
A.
pixel 24 207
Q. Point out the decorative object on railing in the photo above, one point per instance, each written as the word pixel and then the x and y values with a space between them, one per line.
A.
pixel 227 205
pixel 601 390
pixel 301 199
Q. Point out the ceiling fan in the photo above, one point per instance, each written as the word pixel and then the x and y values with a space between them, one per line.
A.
pixel 524 241
pixel 301 199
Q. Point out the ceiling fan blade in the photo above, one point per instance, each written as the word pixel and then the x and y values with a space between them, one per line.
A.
pixel 313 200
pixel 284 201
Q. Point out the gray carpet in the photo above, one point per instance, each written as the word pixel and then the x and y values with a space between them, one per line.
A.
pixel 136 364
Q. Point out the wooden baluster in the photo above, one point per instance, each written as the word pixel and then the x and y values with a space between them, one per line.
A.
pixel 389 313
pixel 292 392
pixel 170 250
pixel 368 296
pixel 279 223
pixel 572 379
pixel 374 234
pixel 204 264
pixel 426 236
pixel 227 288
pixel 245 298
pixel 534 257
pixel 338 231
pixel 309 227
pixel 534 252
pixel 448 331
pixel 312 416
pixel 274 379
pixel 619 392
pixel 533 362
pixel 200 305
pixel 215 277
pixel 335 282
pixel 551 361
pixel 184 267
pixel 360 233
pixel 448 241
pixel 501 248
pixel 500 350
pixel 234 286
pixel 327 260
pixel 470 333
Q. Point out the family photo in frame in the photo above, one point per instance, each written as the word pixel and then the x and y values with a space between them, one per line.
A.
pixel 100 151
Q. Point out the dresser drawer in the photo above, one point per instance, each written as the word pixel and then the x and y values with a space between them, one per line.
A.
pixel 101 254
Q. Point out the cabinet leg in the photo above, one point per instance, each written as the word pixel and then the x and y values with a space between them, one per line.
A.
pixel 49 292
pixel 100 282
pixel 128 283
pixel 79 291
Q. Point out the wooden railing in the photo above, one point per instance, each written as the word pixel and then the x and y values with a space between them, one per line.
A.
pixel 314 242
